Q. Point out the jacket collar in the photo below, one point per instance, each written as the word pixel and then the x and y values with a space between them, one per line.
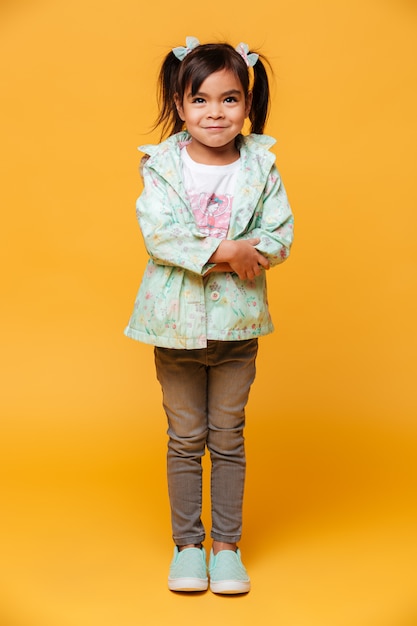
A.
pixel 256 162
pixel 165 159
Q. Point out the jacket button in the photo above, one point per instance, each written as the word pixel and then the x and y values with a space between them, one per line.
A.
pixel 215 295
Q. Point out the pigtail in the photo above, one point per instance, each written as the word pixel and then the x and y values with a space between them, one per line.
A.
pixel 260 98
pixel 168 118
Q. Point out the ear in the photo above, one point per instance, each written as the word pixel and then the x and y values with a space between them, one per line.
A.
pixel 179 107
pixel 248 103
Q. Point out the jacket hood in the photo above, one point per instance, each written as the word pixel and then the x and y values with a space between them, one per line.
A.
pixel 164 158
pixel 252 141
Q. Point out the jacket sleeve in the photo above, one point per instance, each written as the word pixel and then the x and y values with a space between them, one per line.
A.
pixel 273 221
pixel 168 228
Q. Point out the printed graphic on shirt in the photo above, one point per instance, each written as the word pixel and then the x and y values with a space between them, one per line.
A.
pixel 212 213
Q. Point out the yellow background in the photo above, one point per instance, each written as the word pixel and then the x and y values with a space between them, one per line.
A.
pixel 330 513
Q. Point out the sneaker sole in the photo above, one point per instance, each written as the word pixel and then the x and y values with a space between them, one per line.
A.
pixel 187 584
pixel 230 586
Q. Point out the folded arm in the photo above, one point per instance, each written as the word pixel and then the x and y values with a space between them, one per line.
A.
pixel 240 257
pixel 168 240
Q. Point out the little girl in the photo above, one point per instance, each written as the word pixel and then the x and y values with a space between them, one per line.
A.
pixel 214 216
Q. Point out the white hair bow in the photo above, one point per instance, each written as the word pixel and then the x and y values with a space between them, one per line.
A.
pixel 250 59
pixel 181 51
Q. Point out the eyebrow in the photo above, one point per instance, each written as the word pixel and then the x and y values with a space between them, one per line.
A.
pixel 230 92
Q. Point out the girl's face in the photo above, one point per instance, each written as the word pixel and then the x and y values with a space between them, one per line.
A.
pixel 214 116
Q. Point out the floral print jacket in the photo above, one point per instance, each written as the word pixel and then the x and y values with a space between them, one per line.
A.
pixel 177 307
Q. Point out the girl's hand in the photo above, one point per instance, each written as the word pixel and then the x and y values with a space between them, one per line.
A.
pixel 242 256
pixel 219 267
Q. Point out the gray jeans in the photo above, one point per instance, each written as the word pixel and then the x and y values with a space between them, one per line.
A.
pixel 205 392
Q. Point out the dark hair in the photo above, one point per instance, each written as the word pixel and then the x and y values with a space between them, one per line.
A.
pixel 176 75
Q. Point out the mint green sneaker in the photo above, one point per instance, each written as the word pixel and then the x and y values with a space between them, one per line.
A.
pixel 188 570
pixel 227 573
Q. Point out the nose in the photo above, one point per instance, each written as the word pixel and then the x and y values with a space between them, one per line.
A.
pixel 215 111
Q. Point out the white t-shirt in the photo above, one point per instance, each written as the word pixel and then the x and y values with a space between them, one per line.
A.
pixel 210 190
